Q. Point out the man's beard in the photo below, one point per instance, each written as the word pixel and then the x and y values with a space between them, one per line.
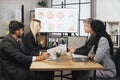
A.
pixel 20 36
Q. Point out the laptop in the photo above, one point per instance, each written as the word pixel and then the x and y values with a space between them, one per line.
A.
pixel 79 58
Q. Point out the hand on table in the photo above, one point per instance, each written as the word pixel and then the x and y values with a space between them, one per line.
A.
pixel 44 56
pixel 72 50
pixel 91 57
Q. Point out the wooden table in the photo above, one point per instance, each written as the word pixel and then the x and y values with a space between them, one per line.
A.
pixel 65 64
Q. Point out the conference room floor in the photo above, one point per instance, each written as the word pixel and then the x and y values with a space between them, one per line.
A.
pixel 64 72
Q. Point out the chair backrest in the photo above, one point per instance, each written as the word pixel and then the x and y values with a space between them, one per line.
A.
pixel 76 41
pixel 117 61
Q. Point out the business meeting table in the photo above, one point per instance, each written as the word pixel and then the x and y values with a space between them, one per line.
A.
pixel 66 63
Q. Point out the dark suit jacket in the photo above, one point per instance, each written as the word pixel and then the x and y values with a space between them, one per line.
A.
pixel 0 67
pixel 31 44
pixel 14 60
pixel 84 50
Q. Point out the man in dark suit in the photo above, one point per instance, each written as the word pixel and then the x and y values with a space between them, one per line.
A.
pixel 84 50
pixel 31 43
pixel 14 60
pixel 55 43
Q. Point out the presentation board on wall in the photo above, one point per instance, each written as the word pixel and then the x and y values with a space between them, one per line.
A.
pixel 108 10
pixel 57 19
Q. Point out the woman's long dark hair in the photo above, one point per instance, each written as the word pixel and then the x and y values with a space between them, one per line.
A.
pixel 100 29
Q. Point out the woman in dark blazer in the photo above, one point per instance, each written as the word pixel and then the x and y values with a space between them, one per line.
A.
pixel 31 44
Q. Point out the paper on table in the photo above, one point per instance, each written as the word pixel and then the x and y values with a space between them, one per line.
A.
pixel 53 51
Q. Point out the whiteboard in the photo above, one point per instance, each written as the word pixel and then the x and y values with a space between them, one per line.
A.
pixel 57 19
pixel 108 10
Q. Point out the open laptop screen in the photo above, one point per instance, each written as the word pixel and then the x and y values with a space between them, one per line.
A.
pixel 57 41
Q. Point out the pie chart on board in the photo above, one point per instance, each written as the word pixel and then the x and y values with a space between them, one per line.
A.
pixel 50 15
pixel 60 15
pixel 41 15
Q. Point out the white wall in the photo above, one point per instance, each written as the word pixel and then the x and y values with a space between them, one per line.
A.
pixel 108 10
pixel 28 5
